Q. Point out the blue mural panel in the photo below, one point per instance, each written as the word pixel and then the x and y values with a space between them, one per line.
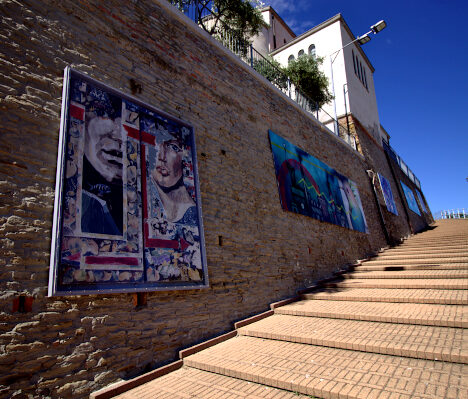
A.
pixel 421 202
pixel 388 195
pixel 310 187
pixel 410 199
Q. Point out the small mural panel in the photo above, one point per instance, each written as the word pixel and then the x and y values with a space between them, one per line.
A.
pixel 127 212
pixel 388 195
pixel 410 199
pixel 421 202
pixel 310 187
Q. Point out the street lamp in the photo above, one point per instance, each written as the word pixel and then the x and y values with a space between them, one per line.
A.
pixel 363 39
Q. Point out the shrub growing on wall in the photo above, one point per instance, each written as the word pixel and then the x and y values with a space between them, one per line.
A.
pixel 305 72
pixel 272 70
pixel 239 17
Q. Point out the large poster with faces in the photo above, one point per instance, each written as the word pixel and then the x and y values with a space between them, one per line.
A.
pixel 127 212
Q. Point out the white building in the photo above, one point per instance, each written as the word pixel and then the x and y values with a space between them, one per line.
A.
pixel 352 73
pixel 276 35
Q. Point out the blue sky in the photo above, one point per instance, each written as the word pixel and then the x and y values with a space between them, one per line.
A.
pixel 420 63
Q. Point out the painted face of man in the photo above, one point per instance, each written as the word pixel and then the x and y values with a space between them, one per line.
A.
pixel 168 169
pixel 103 147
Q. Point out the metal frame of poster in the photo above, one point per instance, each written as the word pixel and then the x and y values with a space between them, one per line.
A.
pixel 310 187
pixel 421 202
pixel 127 212
pixel 388 195
pixel 410 199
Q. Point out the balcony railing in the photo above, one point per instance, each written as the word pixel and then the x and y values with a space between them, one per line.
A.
pixel 452 214
pixel 200 10
pixel 407 171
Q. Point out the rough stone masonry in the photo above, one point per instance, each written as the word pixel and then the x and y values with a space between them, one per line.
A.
pixel 257 253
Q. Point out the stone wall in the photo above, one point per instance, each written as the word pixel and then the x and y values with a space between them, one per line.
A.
pixel 376 159
pixel 67 347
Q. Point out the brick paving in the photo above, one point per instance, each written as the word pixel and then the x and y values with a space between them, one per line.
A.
pixel 410 274
pixel 396 327
pixel 417 313
pixel 417 261
pixel 193 383
pixel 410 283
pixel 448 297
pixel 423 342
pixel 403 266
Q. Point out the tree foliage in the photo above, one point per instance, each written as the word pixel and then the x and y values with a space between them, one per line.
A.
pixel 239 17
pixel 271 70
pixel 305 73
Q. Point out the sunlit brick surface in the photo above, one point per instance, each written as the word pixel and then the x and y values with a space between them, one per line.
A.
pixel 379 332
pixel 192 383
pixel 315 370
pixel 426 314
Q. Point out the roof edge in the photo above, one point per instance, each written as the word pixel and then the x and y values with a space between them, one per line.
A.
pixel 273 11
pixel 315 29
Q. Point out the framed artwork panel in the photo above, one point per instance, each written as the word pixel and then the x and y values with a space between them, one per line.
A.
pixel 127 213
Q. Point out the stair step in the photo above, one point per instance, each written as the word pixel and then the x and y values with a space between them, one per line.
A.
pixel 189 382
pixel 330 372
pixel 405 274
pixel 416 261
pixel 441 266
pixel 397 295
pixel 426 250
pixel 423 314
pixel 422 342
pixel 430 250
pixel 422 255
pixel 439 243
pixel 450 284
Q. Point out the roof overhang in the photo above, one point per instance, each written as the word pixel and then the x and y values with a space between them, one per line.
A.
pixel 315 29
pixel 277 16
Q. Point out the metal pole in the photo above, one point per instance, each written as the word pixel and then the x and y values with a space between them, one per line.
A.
pixel 251 56
pixel 333 92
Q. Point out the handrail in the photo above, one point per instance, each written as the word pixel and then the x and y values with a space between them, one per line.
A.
pixel 199 9
pixel 452 214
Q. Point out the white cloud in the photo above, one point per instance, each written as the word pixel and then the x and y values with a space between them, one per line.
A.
pixel 300 27
pixel 282 6
pixel 289 10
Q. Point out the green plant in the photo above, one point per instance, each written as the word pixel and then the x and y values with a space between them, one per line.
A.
pixel 240 17
pixel 271 70
pixel 305 72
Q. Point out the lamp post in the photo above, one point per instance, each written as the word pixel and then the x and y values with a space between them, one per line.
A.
pixel 363 39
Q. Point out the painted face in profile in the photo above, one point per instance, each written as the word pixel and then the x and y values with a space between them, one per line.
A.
pixel 169 168
pixel 103 147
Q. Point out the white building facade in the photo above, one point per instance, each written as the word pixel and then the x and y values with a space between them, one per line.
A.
pixel 352 73
pixel 276 35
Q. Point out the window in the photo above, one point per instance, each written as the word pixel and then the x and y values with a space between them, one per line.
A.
pixel 290 58
pixel 312 50
pixel 359 70
pixel 301 53
pixel 354 63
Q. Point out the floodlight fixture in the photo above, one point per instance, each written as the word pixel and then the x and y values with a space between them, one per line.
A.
pixel 376 28
pixel 364 39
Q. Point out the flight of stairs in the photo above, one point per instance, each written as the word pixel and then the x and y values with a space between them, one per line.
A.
pixel 394 327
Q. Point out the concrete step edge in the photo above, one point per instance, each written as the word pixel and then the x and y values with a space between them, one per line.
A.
pixel 377 318
pixel 404 283
pixel 314 384
pixel 387 299
pixel 423 352
pixel 386 274
pixel 409 267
